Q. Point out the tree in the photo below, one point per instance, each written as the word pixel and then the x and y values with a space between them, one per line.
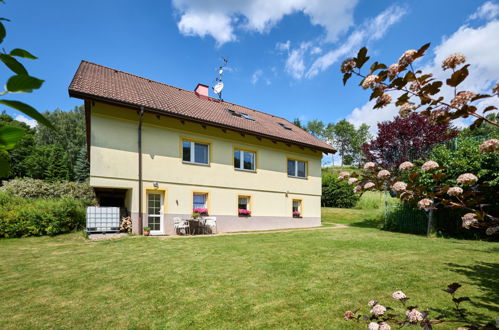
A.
pixel 316 128
pixel 345 134
pixel 361 137
pixel 37 162
pixel 405 139
pixel 70 134
pixel 297 122
pixel 58 167
pixel 82 167
pixel 485 130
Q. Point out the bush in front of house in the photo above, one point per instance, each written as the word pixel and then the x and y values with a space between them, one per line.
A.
pixel 33 188
pixel 337 193
pixel 21 217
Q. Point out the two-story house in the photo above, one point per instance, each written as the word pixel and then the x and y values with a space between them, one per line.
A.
pixel 161 151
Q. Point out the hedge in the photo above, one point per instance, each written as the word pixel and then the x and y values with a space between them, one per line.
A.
pixel 33 188
pixel 20 217
pixel 337 193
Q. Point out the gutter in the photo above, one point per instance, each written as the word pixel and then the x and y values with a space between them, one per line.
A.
pixel 141 223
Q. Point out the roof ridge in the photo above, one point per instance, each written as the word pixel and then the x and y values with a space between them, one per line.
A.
pixel 181 89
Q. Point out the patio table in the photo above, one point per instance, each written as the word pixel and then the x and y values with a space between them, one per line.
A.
pixel 196 226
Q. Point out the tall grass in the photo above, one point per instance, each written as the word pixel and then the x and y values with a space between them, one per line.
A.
pixel 375 200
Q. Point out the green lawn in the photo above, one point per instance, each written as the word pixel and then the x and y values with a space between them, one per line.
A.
pixel 303 279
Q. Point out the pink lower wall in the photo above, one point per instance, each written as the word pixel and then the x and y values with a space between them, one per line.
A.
pixel 227 223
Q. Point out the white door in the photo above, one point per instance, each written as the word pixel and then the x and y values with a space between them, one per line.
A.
pixel 155 213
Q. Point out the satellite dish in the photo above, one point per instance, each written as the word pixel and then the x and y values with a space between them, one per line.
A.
pixel 218 88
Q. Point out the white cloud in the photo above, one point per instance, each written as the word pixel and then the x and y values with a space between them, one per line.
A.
pixel 479 45
pixel 221 19
pixel 316 50
pixel 370 30
pixel 295 64
pixel 28 121
pixel 256 76
pixel 283 46
pixel 487 11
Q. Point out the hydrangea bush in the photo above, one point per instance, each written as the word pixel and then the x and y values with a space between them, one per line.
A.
pixel 420 91
pixel 381 317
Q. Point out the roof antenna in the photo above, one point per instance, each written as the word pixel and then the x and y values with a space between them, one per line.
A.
pixel 219 86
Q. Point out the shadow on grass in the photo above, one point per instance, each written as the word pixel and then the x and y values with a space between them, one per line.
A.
pixel 369 223
pixel 484 275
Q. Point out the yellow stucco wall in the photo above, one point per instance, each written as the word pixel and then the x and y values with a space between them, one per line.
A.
pixel 114 164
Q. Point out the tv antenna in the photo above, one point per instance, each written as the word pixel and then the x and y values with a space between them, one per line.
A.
pixel 219 86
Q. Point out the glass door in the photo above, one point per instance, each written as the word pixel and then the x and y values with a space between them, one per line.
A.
pixel 155 213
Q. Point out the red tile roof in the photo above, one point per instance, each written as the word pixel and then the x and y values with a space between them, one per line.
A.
pixel 100 83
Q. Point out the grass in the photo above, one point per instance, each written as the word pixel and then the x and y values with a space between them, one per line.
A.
pixel 303 279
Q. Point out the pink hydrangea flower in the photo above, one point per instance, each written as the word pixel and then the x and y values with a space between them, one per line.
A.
pixel 469 220
pixel 453 60
pixel 373 326
pixel 425 203
pixel 429 166
pixel 414 316
pixel 384 326
pixel 454 191
pixel 491 145
pixel 399 186
pixel 398 295
pixel 407 58
pixel 372 303
pixel 378 310
pixel 467 178
pixel 343 175
pixel 462 98
pixel 369 166
pixel 369 185
pixel 352 180
pixel 370 81
pixel 393 70
pixel 383 174
pixel 357 189
pixel 492 230
pixel 406 166
pixel 348 65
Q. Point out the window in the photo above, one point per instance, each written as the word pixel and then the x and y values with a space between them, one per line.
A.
pixel 244 160
pixel 296 208
pixel 243 205
pixel 239 114
pixel 199 200
pixel 285 126
pixel 297 168
pixel 195 153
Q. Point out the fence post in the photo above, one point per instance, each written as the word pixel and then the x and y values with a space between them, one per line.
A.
pixel 430 222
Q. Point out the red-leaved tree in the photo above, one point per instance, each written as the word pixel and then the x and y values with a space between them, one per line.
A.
pixel 406 139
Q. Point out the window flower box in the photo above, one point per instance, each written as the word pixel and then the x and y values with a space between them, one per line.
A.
pixel 201 211
pixel 244 213
pixel 296 214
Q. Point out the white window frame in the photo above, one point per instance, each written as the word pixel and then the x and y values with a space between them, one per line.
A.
pixel 296 161
pixel 159 216
pixel 241 160
pixel 193 152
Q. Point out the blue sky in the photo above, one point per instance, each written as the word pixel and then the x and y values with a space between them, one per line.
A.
pixel 284 56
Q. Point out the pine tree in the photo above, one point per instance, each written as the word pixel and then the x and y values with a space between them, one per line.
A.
pixel 58 167
pixel 82 167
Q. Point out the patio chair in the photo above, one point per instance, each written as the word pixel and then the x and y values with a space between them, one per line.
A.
pixel 179 224
pixel 211 223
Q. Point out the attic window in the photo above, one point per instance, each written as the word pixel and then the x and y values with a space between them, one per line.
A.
pixel 239 114
pixel 285 126
pixel 233 112
pixel 246 116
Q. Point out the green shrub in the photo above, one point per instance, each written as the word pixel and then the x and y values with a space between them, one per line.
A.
pixel 20 217
pixel 375 200
pixel 405 219
pixel 336 193
pixel 33 188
